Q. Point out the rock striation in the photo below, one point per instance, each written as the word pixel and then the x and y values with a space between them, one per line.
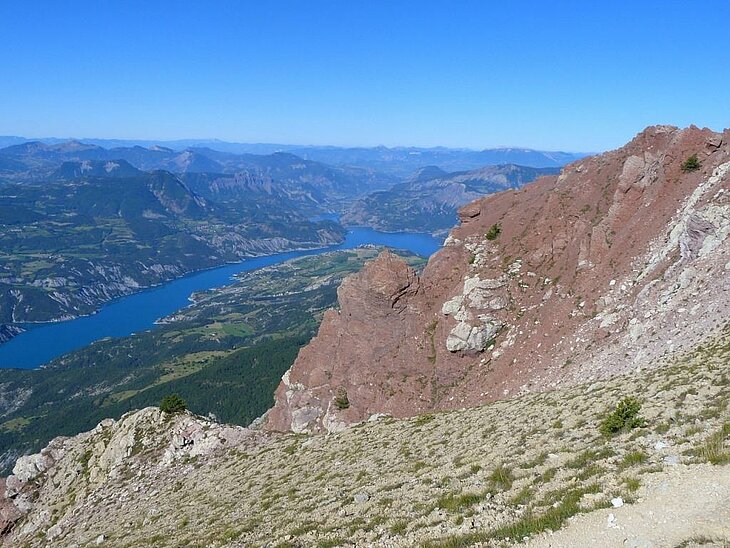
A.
pixel 621 259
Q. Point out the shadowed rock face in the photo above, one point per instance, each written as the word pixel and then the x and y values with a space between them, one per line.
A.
pixel 621 259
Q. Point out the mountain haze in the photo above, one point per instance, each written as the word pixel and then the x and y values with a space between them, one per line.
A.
pixel 428 200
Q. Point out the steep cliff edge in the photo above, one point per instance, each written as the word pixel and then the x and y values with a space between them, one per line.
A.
pixel 621 259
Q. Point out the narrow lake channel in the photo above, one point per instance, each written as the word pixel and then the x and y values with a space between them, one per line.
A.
pixel 138 312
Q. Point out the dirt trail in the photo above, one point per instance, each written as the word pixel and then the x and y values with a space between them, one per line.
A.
pixel 679 505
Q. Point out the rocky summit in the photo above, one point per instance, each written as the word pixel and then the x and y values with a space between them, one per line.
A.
pixel 557 375
pixel 621 259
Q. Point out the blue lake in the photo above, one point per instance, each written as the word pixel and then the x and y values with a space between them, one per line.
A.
pixel 138 312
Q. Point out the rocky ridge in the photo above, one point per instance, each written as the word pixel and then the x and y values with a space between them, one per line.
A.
pixel 620 260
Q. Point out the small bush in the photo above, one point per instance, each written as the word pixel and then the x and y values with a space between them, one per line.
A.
pixel 502 478
pixel 713 449
pixel 173 404
pixel 494 231
pixel 340 400
pixel 633 458
pixel 691 164
pixel 624 417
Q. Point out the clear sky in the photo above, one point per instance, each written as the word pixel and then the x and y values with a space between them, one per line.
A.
pixel 570 75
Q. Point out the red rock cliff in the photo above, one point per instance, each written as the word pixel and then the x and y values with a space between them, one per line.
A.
pixel 620 260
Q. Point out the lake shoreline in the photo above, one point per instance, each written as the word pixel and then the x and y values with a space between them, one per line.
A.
pixel 25 326
pixel 141 310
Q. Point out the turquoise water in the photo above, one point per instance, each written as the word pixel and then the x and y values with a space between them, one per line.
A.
pixel 138 312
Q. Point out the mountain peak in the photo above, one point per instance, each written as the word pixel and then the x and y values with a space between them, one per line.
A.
pixel 426 173
pixel 565 280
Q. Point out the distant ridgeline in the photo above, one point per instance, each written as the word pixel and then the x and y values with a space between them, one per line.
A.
pixel 69 246
pixel 81 224
pixel 429 199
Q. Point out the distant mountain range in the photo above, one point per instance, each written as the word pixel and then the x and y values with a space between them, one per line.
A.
pixel 109 221
pixel 429 199
pixel 37 161
pixel 395 161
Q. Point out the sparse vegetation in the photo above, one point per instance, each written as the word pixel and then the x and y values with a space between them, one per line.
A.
pixel 633 458
pixel 453 502
pixel 632 484
pixel 399 527
pixel 459 477
pixel 624 417
pixel 691 164
pixel 533 522
pixel 502 477
pixel 424 419
pixel 494 232
pixel 341 400
pixel 173 403
pixel 713 449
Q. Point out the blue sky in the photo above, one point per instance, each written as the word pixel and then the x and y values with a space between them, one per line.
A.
pixel 569 75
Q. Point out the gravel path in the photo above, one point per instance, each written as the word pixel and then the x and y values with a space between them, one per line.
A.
pixel 681 505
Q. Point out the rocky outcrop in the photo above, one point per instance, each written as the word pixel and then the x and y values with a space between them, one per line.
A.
pixel 7 332
pixel 324 397
pixel 140 442
pixel 623 258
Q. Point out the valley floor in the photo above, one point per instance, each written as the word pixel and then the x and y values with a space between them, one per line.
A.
pixel 532 470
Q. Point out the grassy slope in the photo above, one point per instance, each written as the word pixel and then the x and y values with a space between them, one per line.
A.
pixel 502 471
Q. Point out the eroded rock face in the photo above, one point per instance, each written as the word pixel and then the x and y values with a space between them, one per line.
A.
pixel 377 307
pixel 620 259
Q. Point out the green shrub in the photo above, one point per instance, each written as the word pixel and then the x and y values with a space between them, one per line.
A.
pixel 633 458
pixel 494 231
pixel 691 164
pixel 502 477
pixel 341 400
pixel 173 404
pixel 624 417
